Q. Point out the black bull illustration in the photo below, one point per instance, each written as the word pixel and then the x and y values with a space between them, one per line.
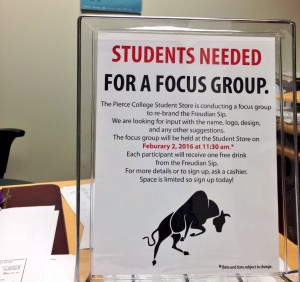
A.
pixel 191 215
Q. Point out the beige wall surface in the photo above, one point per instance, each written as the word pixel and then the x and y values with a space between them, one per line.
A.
pixel 235 9
pixel 38 86
pixel 38 72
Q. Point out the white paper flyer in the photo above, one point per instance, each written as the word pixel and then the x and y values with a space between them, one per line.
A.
pixel 185 155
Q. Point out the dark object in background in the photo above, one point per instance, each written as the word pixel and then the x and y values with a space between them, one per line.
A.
pixel 7 136
pixel 286 187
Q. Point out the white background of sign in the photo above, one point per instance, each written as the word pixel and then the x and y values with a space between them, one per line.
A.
pixel 126 210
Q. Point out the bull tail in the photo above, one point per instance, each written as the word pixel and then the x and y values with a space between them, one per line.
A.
pixel 152 236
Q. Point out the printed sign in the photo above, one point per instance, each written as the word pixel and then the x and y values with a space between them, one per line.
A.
pixel 185 155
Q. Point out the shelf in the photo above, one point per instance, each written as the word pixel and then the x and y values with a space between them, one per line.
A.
pixel 288 128
pixel 288 97
pixel 288 152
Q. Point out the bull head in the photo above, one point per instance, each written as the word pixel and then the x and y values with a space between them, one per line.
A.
pixel 219 221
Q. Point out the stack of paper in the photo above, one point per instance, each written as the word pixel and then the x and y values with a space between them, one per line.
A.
pixel 60 268
pixel 26 241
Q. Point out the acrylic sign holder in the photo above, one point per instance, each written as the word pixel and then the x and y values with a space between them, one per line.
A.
pixel 187 163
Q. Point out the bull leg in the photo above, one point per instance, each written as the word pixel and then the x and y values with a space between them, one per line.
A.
pixel 188 224
pixel 202 228
pixel 164 231
pixel 155 252
pixel 176 238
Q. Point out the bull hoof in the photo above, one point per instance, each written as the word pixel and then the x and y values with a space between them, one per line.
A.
pixel 193 234
pixel 182 239
pixel 154 262
pixel 186 253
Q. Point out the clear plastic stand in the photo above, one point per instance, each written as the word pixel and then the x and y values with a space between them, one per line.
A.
pixel 187 155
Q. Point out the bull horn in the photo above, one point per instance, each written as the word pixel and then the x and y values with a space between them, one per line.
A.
pixel 225 214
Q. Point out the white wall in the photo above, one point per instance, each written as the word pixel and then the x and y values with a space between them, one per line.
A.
pixel 38 72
